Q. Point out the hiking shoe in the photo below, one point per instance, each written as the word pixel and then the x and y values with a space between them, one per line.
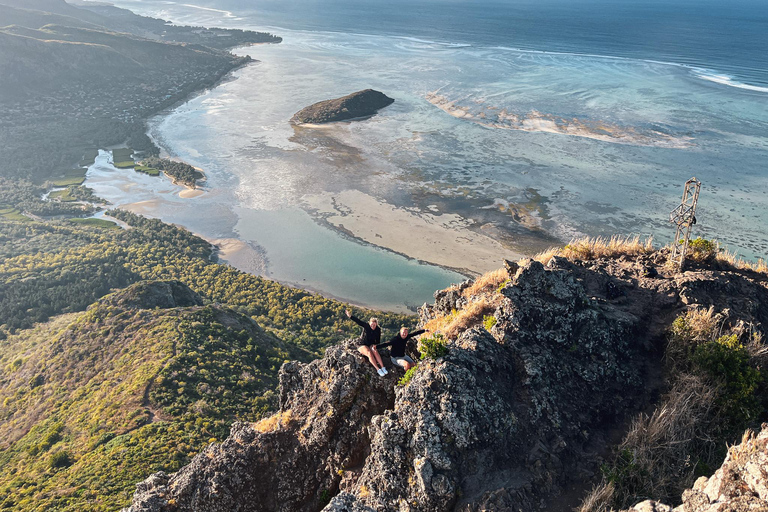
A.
pixel 380 372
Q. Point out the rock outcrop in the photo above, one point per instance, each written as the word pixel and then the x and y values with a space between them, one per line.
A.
pixel 356 105
pixel 740 485
pixel 507 420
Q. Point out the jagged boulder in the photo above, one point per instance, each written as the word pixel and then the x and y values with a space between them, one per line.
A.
pixel 505 421
pixel 293 461
pixel 740 485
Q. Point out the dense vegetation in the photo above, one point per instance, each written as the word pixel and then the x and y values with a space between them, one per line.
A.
pixel 717 387
pixel 92 402
pixel 74 80
pixel 178 171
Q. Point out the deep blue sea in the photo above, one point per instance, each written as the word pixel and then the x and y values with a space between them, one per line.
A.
pixel 527 122
pixel 728 37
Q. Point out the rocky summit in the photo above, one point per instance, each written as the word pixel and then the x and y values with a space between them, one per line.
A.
pixel 358 104
pixel 517 414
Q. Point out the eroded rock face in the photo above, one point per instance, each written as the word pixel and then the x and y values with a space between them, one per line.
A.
pixel 740 485
pixel 292 463
pixel 358 104
pixel 505 421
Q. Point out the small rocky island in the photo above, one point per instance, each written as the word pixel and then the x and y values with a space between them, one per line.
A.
pixel 358 104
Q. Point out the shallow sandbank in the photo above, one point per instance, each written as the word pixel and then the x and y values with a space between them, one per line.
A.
pixel 446 240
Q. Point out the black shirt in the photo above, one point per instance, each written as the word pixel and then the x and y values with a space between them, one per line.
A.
pixel 368 336
pixel 398 343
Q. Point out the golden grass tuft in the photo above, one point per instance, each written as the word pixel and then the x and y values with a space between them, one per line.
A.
pixel 750 445
pixel 490 281
pixel 472 315
pixel 589 248
pixel 729 259
pixel 274 422
pixel 599 499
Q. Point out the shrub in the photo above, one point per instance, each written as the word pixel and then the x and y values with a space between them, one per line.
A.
pixel 702 250
pixel 727 362
pixel 405 379
pixel 488 322
pixel 433 347
pixel 60 460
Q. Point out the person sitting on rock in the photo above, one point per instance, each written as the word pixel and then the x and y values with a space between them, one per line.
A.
pixel 370 336
pixel 397 352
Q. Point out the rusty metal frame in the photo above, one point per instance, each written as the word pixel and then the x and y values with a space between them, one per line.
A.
pixel 684 216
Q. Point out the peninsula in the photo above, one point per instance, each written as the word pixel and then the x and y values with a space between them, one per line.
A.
pixel 356 105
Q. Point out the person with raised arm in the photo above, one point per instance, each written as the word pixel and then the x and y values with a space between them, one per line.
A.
pixel 398 342
pixel 370 336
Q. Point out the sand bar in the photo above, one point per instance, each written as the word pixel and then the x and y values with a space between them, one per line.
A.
pixel 446 240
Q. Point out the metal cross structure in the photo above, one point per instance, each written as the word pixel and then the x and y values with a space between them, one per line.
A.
pixel 684 216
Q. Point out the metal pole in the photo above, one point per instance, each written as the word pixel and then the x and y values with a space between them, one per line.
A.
pixel 684 216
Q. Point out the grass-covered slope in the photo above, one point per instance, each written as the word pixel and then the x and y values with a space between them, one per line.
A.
pixel 91 401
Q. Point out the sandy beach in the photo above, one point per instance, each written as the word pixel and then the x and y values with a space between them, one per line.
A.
pixel 446 240
pixel 240 255
pixel 191 193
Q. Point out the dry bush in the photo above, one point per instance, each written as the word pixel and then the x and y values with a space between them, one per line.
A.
pixel 661 453
pixel 488 282
pixel 690 329
pixel 274 422
pixel 588 248
pixel 472 315
pixel 600 499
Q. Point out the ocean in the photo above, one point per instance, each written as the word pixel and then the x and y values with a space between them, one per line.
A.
pixel 527 123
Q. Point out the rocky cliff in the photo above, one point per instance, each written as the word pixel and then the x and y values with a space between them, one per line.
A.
pixel 535 386
pixel 358 104
pixel 740 485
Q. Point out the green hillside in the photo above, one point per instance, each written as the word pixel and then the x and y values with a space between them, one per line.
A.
pixel 92 402
pixel 73 79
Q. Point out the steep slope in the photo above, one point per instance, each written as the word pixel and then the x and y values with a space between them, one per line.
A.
pixel 26 17
pixel 509 417
pixel 741 484
pixel 148 372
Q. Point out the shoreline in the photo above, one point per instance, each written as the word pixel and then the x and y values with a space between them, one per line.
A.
pixel 446 241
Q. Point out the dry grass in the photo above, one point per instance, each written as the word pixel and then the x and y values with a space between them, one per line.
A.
pixel 660 453
pixel 749 446
pixel 472 315
pixel 729 259
pixel 690 329
pixel 274 422
pixel 588 248
pixel 490 281
pixel 600 499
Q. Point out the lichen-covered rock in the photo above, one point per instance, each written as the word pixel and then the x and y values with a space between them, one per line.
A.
pixel 505 421
pixel 740 485
pixel 289 462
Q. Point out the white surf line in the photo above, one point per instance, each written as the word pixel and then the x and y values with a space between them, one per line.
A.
pixel 227 14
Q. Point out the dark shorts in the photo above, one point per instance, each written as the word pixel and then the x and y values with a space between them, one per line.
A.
pixel 365 343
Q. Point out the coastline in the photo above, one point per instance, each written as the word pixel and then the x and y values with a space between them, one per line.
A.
pixel 446 240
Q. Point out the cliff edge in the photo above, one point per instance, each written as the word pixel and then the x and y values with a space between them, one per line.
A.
pixel 542 367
